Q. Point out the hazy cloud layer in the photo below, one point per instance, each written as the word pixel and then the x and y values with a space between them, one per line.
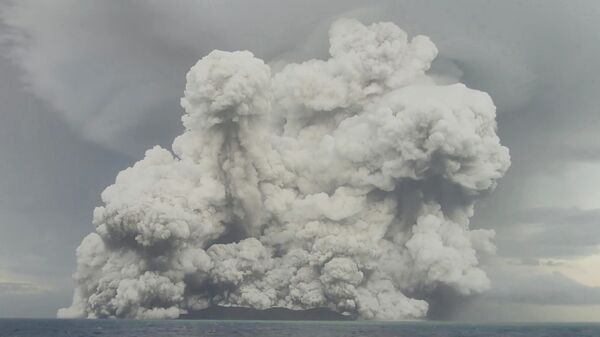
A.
pixel 17 288
pixel 545 289
pixel 554 232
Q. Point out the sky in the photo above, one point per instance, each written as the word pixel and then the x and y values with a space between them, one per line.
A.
pixel 73 114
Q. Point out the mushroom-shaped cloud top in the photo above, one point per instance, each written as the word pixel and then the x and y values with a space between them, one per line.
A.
pixel 225 86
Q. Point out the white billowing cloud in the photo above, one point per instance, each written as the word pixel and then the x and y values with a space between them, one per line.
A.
pixel 346 183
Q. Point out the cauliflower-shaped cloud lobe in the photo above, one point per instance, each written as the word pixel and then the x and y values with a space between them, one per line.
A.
pixel 345 184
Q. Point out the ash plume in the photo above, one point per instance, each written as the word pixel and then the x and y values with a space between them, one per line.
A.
pixel 345 184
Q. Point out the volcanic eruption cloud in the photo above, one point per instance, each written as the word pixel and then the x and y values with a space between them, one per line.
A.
pixel 345 184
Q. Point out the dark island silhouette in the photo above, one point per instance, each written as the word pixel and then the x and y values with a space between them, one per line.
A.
pixel 284 314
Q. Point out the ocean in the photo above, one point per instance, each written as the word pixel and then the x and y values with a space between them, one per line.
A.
pixel 130 328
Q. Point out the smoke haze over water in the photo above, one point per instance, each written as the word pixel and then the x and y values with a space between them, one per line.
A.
pixel 345 184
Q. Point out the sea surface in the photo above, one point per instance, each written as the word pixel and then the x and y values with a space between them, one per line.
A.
pixel 127 328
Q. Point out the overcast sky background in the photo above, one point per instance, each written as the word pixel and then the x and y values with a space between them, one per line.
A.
pixel 87 86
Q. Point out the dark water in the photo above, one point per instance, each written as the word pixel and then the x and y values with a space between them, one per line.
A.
pixel 91 328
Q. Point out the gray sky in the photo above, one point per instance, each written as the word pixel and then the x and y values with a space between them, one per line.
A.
pixel 88 86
